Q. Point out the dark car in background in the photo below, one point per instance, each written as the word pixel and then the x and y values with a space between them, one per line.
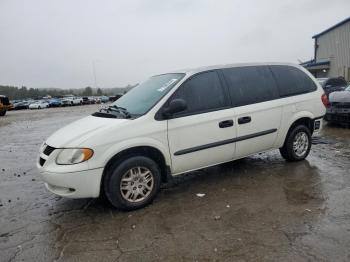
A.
pixel 115 98
pixel 21 105
pixel 54 102
pixel 332 84
pixel 338 108
pixel 86 100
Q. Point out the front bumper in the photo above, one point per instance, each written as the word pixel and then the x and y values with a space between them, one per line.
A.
pixel 83 184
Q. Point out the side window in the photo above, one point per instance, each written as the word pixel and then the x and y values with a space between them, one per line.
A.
pixel 202 93
pixel 292 81
pixel 250 84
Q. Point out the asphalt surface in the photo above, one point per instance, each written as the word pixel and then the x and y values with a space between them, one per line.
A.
pixel 260 208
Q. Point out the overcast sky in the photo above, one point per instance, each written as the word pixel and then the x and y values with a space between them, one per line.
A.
pixel 47 43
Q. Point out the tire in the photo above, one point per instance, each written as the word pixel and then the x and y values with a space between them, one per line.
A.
pixel 300 135
pixel 39 107
pixel 118 195
pixel 2 112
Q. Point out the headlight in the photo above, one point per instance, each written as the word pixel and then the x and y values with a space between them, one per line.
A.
pixel 71 156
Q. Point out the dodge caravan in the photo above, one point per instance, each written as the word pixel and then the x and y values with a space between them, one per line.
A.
pixel 182 121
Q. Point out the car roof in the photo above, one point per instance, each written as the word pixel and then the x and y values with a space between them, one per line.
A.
pixel 213 67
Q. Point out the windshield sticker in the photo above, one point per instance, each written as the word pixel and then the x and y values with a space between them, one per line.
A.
pixel 166 85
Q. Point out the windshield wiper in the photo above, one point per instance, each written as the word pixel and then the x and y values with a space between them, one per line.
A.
pixel 121 110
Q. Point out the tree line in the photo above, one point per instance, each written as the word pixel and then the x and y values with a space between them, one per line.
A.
pixel 18 93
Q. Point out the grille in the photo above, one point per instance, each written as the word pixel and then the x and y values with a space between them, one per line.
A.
pixel 41 161
pixel 48 150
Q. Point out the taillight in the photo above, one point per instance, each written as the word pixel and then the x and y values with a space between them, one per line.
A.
pixel 324 100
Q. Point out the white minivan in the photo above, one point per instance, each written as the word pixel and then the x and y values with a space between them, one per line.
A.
pixel 182 121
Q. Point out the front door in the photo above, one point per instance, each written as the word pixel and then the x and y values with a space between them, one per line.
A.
pixel 203 134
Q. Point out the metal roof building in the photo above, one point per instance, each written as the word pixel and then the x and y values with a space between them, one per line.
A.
pixel 331 52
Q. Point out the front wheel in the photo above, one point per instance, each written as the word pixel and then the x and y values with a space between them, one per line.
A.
pixel 132 183
pixel 2 112
pixel 297 145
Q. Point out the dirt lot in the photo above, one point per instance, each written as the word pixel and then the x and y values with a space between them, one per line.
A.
pixel 257 209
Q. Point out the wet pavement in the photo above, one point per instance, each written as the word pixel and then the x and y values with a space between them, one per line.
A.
pixel 256 209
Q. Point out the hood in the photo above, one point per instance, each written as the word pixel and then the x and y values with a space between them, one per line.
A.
pixel 340 97
pixel 77 132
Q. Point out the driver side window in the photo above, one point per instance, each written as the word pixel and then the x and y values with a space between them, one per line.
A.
pixel 202 93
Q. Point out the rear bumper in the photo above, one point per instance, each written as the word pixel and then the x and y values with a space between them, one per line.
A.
pixel 338 117
pixel 338 110
pixel 83 184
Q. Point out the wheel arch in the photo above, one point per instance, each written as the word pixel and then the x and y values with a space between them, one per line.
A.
pixel 148 151
pixel 306 119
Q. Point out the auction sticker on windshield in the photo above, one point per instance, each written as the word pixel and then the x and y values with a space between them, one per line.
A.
pixel 166 85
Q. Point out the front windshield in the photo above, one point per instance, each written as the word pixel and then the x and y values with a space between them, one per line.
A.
pixel 143 97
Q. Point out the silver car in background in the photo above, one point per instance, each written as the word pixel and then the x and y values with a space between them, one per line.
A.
pixel 338 108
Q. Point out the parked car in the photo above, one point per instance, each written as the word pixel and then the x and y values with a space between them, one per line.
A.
pixel 54 102
pixel 39 105
pixel 13 102
pixel 67 102
pixel 4 105
pixel 97 100
pixel 72 101
pixel 92 99
pixel 332 84
pixel 86 100
pixel 338 108
pixel 178 122
pixel 21 105
pixel 77 101
pixel 115 98
pixel 104 99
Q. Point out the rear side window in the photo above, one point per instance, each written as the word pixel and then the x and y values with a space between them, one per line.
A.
pixel 202 93
pixel 292 81
pixel 251 84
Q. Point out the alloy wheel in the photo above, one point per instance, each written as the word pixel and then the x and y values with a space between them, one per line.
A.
pixel 136 184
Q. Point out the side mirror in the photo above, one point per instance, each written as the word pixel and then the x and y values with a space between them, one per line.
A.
pixel 175 106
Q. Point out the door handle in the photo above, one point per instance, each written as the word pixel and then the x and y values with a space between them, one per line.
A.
pixel 244 120
pixel 226 123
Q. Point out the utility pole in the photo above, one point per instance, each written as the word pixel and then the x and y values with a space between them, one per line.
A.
pixel 94 72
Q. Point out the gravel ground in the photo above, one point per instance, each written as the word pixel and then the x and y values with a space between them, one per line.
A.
pixel 256 209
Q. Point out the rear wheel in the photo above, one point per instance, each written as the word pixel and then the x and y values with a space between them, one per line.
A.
pixel 132 183
pixel 2 112
pixel 297 145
